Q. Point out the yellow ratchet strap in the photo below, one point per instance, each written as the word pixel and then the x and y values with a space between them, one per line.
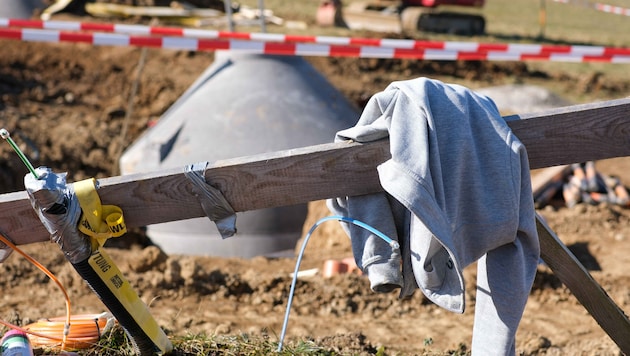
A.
pixel 101 222
pixel 129 299
pixel 98 221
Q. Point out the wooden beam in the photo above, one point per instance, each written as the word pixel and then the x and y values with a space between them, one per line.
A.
pixel 575 134
pixel 560 136
pixel 591 295
pixel 268 180
pixel 543 179
pixel 574 276
pixel 556 137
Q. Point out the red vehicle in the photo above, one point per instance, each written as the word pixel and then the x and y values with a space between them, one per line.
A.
pixel 435 3
pixel 405 15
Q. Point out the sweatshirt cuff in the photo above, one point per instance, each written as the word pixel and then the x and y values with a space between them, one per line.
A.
pixel 384 276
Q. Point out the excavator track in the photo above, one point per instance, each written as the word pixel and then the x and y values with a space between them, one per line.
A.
pixel 397 17
pixel 422 19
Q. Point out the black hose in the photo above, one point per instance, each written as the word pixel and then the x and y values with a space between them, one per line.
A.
pixel 142 342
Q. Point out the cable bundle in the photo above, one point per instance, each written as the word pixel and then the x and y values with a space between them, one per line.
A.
pixel 67 332
pixel 85 330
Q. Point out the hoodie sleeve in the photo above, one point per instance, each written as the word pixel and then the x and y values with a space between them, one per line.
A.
pixel 374 256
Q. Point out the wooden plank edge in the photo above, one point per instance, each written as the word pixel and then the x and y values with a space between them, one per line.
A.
pixel 548 176
pixel 574 134
pixel 261 181
pixel 588 292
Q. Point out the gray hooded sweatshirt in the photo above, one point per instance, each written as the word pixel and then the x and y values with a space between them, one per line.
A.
pixel 457 191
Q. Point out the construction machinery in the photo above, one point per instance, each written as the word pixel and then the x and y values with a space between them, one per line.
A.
pixel 405 16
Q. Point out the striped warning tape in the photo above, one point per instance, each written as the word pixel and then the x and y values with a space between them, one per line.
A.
pixel 262 37
pixel 466 47
pixel 432 51
pixel 617 10
pixel 612 9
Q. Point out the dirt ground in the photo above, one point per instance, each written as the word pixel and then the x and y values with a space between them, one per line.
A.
pixel 66 105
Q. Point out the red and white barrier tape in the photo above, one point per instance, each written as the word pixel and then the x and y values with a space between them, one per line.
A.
pixel 262 37
pixel 466 47
pixel 617 10
pixel 612 9
pixel 426 50
pixel 211 34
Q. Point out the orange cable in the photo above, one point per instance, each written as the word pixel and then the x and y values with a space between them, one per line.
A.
pixel 86 328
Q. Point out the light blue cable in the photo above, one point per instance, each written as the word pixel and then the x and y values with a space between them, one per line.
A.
pixel 392 243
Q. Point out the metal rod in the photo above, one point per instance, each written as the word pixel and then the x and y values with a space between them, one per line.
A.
pixel 5 135
pixel 228 14
pixel 261 7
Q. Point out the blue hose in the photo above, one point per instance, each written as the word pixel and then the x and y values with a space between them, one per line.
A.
pixel 394 244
